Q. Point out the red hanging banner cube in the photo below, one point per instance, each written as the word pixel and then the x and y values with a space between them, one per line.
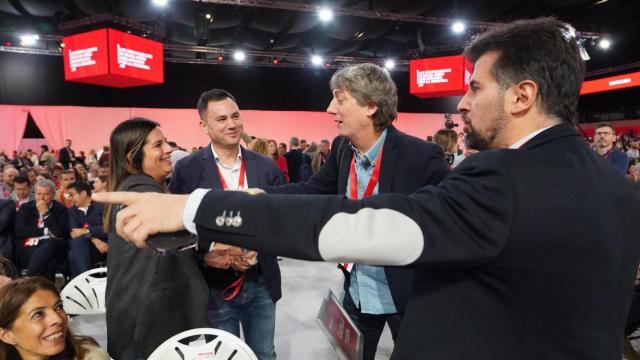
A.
pixel 113 58
pixel 439 77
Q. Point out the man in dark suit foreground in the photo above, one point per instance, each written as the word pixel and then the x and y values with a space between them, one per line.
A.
pixel 513 259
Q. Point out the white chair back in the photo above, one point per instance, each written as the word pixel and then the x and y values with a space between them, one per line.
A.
pixel 85 294
pixel 224 346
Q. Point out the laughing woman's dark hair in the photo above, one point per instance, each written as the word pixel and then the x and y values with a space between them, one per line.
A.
pixel 126 142
pixel 14 311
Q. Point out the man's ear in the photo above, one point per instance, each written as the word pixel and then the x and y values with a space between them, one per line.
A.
pixel 371 109
pixel 203 126
pixel 6 336
pixel 522 96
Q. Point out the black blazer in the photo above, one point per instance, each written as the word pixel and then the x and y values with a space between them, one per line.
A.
pixel 7 218
pixel 27 222
pixel 66 157
pixel 198 170
pixel 408 164
pixel 149 297
pixel 520 254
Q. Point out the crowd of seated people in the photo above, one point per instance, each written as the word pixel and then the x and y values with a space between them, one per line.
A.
pixel 48 223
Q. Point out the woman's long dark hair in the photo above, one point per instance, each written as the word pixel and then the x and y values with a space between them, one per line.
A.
pixel 126 143
pixel 13 296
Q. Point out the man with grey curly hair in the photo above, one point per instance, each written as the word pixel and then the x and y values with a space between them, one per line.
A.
pixel 41 229
pixel 371 157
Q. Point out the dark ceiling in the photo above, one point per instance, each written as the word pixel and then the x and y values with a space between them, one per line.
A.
pixel 298 31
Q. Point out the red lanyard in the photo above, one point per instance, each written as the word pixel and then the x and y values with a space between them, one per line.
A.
pixel 373 181
pixel 240 180
pixel 233 290
pixel 353 187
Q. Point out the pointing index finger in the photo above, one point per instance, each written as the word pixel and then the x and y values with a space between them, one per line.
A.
pixel 117 197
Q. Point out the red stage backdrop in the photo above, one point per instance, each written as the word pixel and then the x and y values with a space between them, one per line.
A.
pixel 112 58
pixel 439 77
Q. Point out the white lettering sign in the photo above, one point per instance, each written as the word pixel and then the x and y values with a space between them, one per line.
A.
pixel 619 82
pixel 82 57
pixel 133 58
pixel 431 76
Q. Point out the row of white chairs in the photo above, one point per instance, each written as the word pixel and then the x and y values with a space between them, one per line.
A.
pixel 85 295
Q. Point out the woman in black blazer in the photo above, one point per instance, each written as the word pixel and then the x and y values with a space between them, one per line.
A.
pixel 149 297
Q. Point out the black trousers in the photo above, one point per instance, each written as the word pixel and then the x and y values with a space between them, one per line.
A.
pixel 371 325
pixel 42 260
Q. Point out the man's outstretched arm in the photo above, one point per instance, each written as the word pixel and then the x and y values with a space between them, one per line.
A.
pixel 463 222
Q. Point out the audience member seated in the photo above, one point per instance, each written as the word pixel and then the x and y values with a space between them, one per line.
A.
pixel 88 242
pixel 7 218
pixel 91 158
pixel 41 230
pixel 103 158
pixel 47 159
pixel 6 186
pixel 100 184
pixel 103 170
pixel 81 172
pixel 31 174
pixel 66 178
pixel 22 191
pixel 8 271
pixel 33 324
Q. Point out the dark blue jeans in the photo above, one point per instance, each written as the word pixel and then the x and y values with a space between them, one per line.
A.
pixel 371 326
pixel 254 309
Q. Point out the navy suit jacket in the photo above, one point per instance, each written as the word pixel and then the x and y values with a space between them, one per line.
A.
pixel 27 222
pixel 408 163
pixel 198 170
pixel 93 219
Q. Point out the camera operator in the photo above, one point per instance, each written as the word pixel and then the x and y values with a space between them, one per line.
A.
pixel 448 140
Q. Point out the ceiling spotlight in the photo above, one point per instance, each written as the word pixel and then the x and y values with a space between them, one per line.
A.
pixel 458 27
pixel 239 55
pixel 29 40
pixel 208 16
pixel 389 64
pixel 160 2
pixel 325 14
pixel 604 44
pixel 316 60
pixel 220 58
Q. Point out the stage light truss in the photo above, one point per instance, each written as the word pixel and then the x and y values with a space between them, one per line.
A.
pixel 157 30
pixel 372 14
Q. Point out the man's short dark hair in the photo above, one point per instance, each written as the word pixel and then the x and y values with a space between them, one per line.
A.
pixel 80 186
pixel 21 180
pixel 605 124
pixel 212 95
pixel 69 171
pixel 541 50
pixel 294 141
